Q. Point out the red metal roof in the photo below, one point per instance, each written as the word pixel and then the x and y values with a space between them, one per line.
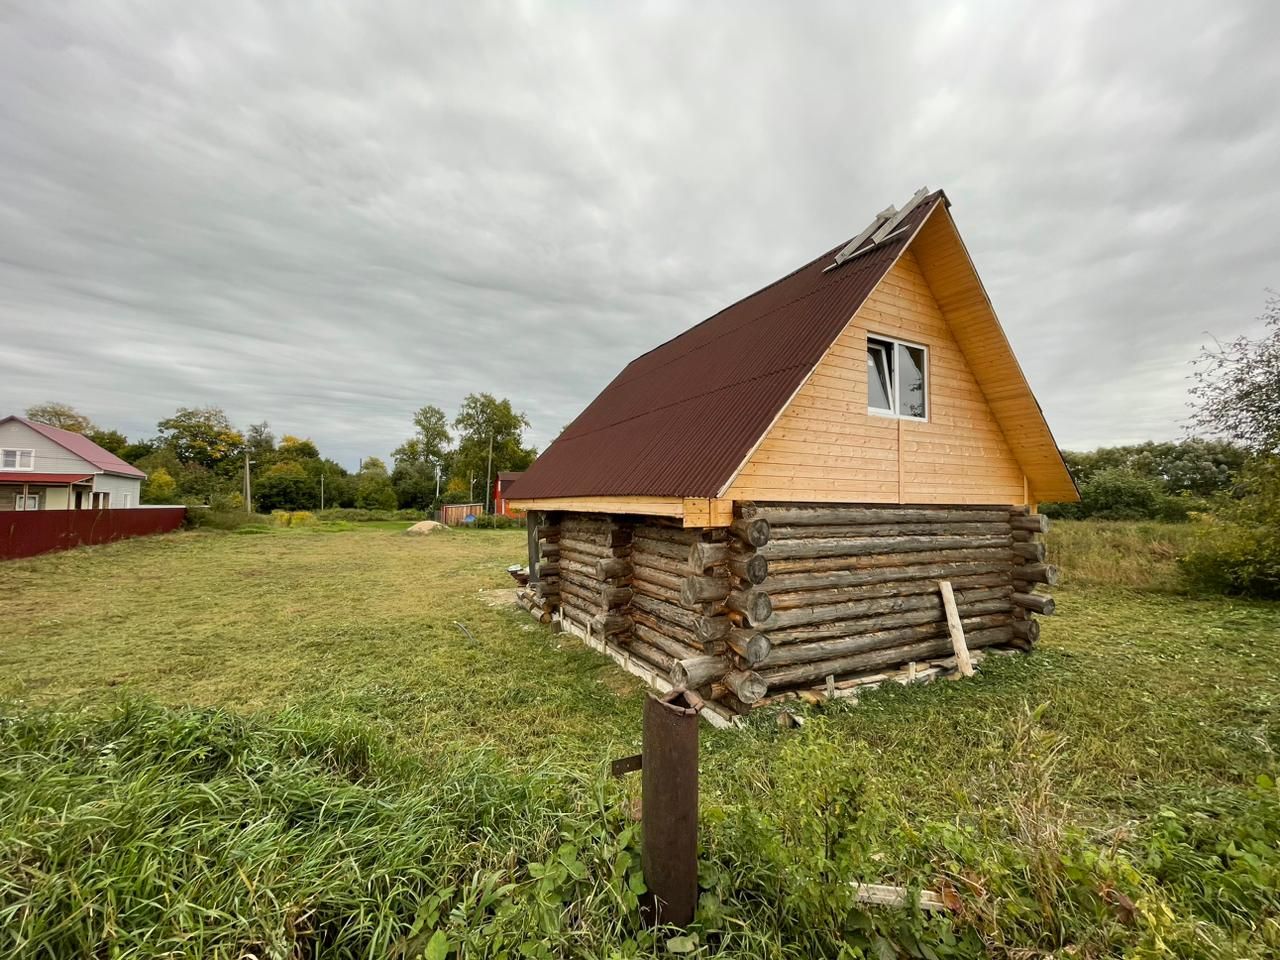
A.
pixel 82 447
pixel 26 476
pixel 679 420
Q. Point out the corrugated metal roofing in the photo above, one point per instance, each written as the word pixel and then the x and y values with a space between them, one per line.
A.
pixel 82 447
pixel 679 420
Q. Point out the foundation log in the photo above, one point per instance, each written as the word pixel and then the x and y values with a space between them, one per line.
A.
pixel 711 629
pixel 703 555
pixel 1029 551
pixel 994 612
pixel 754 605
pixel 889 656
pixel 608 624
pixel 795 532
pixel 752 568
pixel 696 590
pixel 1035 522
pixel 994 554
pixel 754 532
pixel 858 547
pixel 780 583
pixel 747 685
pixel 617 567
pixel 750 645
pixel 1036 573
pixel 695 672
pixel 786 515
pixel 1028 630
pixel 1035 603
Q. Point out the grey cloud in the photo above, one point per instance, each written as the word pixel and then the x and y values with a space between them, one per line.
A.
pixel 328 215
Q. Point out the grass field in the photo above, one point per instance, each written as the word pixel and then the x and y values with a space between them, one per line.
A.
pixel 285 743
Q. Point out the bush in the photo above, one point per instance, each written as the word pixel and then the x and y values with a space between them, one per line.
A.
pixel 1238 550
pixel 208 518
pixel 1121 494
pixel 358 515
pixel 488 521
pixel 294 518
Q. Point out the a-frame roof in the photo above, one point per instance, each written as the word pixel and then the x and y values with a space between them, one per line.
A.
pixel 82 447
pixel 680 420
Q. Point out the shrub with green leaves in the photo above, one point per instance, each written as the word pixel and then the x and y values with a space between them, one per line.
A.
pixel 1238 551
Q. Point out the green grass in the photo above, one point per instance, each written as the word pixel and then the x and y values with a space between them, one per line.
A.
pixel 324 764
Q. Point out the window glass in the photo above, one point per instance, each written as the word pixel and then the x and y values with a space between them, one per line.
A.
pixel 879 375
pixel 911 381
pixel 10 460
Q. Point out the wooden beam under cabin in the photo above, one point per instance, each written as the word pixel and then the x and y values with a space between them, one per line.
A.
pixel 692 511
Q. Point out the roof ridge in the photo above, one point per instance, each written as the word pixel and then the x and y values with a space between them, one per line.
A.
pixel 835 277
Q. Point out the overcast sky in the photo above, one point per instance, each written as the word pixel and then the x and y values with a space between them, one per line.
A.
pixel 325 215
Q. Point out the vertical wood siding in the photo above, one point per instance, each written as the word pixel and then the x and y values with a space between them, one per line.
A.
pixel 826 446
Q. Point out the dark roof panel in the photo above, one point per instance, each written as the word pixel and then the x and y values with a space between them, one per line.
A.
pixel 680 419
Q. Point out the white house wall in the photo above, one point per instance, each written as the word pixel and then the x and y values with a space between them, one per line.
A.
pixel 49 456
pixel 118 487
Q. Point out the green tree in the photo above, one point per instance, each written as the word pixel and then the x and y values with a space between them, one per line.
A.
pixel 480 419
pixel 60 415
pixel 418 459
pixel 159 487
pixel 285 486
pixel 112 441
pixel 261 444
pixel 373 486
pixel 201 435
pixel 415 484
pixel 1195 466
pixel 1236 387
pixel 297 448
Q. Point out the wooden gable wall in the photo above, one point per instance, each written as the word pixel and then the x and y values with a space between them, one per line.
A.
pixel 826 446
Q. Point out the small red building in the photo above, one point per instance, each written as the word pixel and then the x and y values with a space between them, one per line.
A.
pixel 500 485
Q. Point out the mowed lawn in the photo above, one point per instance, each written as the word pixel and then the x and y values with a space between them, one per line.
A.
pixel 365 620
pixel 1112 792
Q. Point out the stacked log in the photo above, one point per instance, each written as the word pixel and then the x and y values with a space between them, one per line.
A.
pixel 542 609
pixel 593 568
pixel 793 598
pixel 1030 574
pixel 683 608
pixel 854 589
pixel 544 567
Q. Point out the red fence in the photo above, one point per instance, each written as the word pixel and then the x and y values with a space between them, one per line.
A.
pixel 25 534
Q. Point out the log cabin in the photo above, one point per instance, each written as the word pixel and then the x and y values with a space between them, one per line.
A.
pixel 774 503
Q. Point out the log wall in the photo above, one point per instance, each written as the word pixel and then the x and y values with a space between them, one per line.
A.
pixel 793 597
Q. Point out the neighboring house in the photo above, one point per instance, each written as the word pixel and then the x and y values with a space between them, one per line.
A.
pixel 45 468
pixel 766 503
pixel 500 485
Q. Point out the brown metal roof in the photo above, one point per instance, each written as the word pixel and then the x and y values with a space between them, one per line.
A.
pixel 680 419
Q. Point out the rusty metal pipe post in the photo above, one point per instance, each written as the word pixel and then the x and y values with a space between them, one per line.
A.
pixel 669 792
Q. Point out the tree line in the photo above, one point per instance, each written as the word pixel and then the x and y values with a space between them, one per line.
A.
pixel 198 456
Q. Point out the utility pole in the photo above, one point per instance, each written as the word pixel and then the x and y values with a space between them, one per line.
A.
pixel 437 479
pixel 248 498
pixel 322 488
pixel 488 477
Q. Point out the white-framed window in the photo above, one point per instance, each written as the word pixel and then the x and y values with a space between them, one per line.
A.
pixel 17 459
pixel 125 499
pixel 29 502
pixel 897 378
pixel 101 500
